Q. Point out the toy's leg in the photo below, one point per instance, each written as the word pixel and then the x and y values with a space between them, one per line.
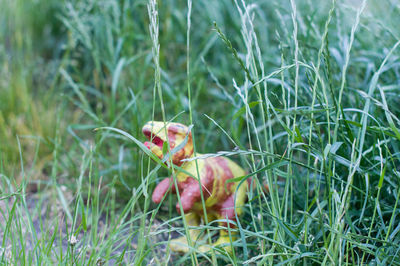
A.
pixel 224 239
pixel 180 244
pixel 241 196
pixel 228 212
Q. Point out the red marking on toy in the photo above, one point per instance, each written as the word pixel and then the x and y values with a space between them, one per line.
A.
pixel 171 139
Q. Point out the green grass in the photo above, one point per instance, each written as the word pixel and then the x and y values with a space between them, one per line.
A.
pixel 303 94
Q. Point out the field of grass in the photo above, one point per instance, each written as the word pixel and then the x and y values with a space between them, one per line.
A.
pixel 304 94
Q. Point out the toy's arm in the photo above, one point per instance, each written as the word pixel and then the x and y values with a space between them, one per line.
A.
pixel 191 194
pixel 162 188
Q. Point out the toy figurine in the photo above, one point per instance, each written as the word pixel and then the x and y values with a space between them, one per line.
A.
pixel 219 196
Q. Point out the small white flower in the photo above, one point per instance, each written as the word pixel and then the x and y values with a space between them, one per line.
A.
pixel 310 238
pixel 72 240
pixel 100 262
pixel 6 253
pixel 301 237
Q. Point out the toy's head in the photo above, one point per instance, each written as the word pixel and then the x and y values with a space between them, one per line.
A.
pixel 159 132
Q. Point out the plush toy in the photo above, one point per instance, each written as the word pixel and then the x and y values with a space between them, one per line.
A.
pixel 219 196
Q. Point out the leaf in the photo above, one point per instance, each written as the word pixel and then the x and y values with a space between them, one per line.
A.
pixel 64 203
pixel 243 110
pixel 289 231
pixel 270 166
pixel 297 136
pixel 382 130
pixel 388 114
pixel 301 111
pixel 117 73
pixel 140 144
pixel 83 213
pixel 335 146
pixel 165 147
pixel 326 150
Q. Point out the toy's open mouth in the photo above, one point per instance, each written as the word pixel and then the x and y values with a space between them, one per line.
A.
pixel 155 140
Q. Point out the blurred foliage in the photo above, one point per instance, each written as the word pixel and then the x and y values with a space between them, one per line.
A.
pixel 31 38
